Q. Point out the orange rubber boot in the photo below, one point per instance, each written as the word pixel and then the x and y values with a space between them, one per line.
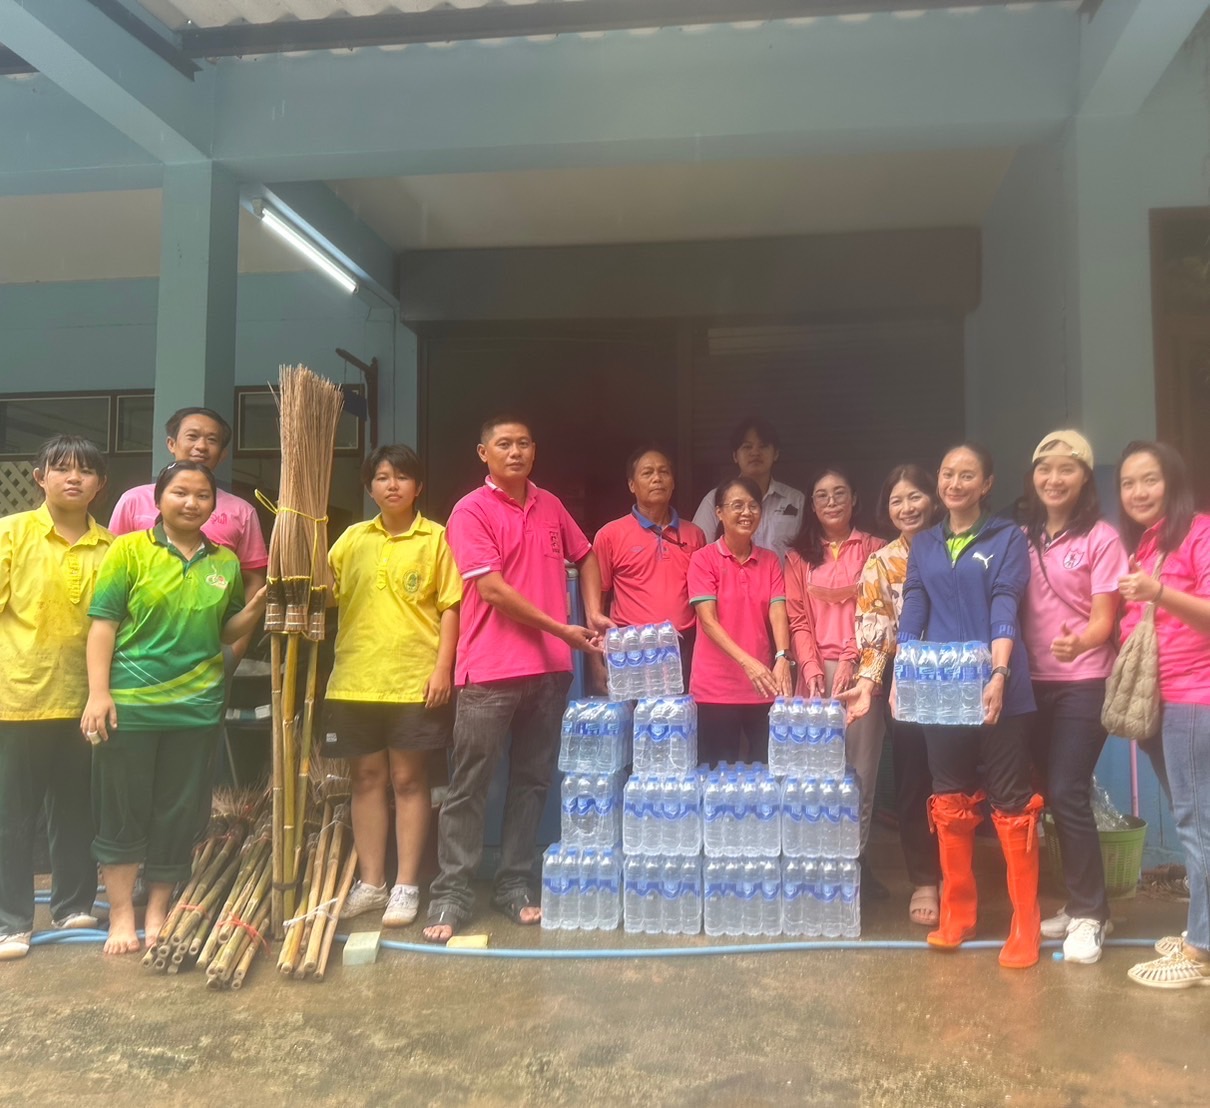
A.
pixel 954 816
pixel 1018 833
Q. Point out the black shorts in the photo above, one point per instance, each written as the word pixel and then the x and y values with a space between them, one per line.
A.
pixel 359 727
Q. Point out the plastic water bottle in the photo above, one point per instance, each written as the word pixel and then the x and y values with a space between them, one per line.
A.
pixel 677 715
pixel 906 680
pixel 850 818
pixel 779 737
pixel 615 662
pixel 829 897
pixel 791 817
pixel 587 884
pixel 631 815
pixel 552 887
pixel 770 897
pixel 632 899
pixel 949 684
pixel 816 735
pixel 569 884
pixel 927 705
pixel 971 697
pixel 670 896
pixel 652 880
pixel 610 732
pixel 671 679
pixel 800 756
pixel 749 794
pixel 608 801
pixel 850 899
pixel 691 815
pixel 661 727
pixel 812 908
pixel 812 819
pixel 713 911
pixel 768 801
pixel 649 643
pixel 793 920
pixel 733 873
pixel 749 896
pixel 829 823
pixel 636 685
pixel 832 749
pixel 609 901
pixel 712 815
pixel 590 734
pixel 653 815
pixel 732 813
pixel 568 739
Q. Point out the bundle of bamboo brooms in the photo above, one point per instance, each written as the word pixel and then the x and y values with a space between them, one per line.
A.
pixel 298 589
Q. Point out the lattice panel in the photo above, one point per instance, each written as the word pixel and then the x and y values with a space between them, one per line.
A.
pixel 18 492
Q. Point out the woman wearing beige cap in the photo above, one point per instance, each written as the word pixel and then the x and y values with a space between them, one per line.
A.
pixel 1067 619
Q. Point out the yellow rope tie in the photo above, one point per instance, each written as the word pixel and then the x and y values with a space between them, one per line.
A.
pixel 277 509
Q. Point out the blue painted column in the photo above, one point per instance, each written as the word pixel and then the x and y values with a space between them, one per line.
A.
pixel 195 322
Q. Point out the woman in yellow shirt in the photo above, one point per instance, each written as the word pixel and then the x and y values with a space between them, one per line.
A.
pixel 48 565
pixel 389 697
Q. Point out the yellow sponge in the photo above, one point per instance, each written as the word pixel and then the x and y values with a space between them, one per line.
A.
pixel 468 942
pixel 361 949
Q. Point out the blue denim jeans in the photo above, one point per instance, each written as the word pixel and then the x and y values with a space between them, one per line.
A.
pixel 530 709
pixel 1186 737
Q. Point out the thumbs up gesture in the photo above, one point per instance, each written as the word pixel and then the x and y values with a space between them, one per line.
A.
pixel 1068 646
pixel 1137 584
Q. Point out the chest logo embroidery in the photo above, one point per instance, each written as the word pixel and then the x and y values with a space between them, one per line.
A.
pixel 986 559
pixel 217 580
pixel 411 582
pixel 1072 559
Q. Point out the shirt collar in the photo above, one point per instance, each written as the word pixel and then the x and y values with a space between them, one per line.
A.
pixel 649 525
pixel 531 490
pixel 160 537
pixel 419 526
pixel 90 537
pixel 726 552
pixel 971 531
pixel 776 488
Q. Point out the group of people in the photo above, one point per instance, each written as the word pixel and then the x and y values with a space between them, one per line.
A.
pixel 461 637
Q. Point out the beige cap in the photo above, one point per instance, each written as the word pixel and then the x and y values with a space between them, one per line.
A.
pixel 1065 444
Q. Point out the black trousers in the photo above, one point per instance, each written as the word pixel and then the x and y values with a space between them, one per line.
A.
pixel 722 729
pixel 913 784
pixel 1066 741
pixel 956 753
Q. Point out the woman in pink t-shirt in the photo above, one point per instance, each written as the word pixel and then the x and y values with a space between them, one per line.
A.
pixel 1067 620
pixel 823 576
pixel 741 658
pixel 1170 568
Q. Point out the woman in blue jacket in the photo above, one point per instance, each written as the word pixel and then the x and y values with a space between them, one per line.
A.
pixel 965 580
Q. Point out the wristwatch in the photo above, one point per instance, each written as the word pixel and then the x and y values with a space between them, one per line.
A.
pixel 1004 672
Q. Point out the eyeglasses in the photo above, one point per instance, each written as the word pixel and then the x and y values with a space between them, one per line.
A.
pixel 738 507
pixel 839 496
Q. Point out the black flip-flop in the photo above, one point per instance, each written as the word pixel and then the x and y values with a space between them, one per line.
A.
pixel 444 917
pixel 515 905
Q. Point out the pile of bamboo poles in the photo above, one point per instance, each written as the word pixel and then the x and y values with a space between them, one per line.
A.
pixel 330 866
pixel 220 918
pixel 299 583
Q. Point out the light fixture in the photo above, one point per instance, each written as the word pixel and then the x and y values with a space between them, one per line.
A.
pixel 308 249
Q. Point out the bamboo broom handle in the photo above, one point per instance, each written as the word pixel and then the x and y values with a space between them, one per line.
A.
pixel 346 883
pixel 235 899
pixel 211 889
pixel 306 741
pixel 279 811
pixel 331 874
pixel 313 893
pixel 224 962
pixel 245 962
pixel 289 762
pixel 293 941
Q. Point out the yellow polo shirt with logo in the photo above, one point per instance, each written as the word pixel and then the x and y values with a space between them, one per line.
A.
pixel 391 591
pixel 167 670
pixel 46 585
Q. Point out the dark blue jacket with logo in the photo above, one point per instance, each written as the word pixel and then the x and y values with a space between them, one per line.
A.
pixel 975 598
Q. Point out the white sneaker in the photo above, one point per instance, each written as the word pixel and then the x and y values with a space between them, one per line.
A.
pixel 1083 942
pixel 14 946
pixel 1058 925
pixel 77 921
pixel 364 898
pixel 402 907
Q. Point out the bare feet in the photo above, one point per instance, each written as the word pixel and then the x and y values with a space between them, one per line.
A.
pixel 925 908
pixel 123 938
pixel 529 916
pixel 153 920
pixel 438 933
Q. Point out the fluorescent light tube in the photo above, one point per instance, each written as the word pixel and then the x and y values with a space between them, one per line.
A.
pixel 308 249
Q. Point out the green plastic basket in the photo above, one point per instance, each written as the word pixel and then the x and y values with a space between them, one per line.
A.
pixel 1121 852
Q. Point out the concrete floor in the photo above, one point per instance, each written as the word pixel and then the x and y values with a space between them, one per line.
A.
pixel 870 1027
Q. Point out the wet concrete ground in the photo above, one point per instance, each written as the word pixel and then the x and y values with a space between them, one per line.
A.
pixel 870 1027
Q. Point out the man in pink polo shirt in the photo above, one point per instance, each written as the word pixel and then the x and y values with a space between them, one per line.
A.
pixel 511 540
pixel 202 435
pixel 644 556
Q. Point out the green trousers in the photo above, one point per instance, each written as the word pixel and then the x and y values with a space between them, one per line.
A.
pixel 147 790
pixel 44 763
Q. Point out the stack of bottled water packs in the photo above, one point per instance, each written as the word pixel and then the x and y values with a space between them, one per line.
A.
pixel 582 873
pixel 644 661
pixel 941 683
pixel 662 821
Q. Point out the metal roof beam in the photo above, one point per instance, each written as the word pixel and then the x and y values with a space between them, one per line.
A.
pixel 546 17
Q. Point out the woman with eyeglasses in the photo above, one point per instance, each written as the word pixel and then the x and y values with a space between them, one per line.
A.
pixel 823 577
pixel 741 660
